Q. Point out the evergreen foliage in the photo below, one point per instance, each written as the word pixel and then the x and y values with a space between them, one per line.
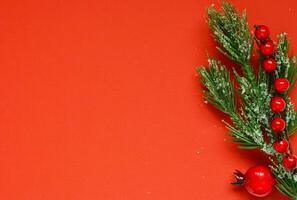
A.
pixel 251 115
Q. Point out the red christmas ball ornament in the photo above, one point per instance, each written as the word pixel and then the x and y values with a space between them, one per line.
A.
pixel 278 125
pixel 281 84
pixel 269 65
pixel 262 32
pixel 278 104
pixel 267 48
pixel 281 146
pixel 258 180
pixel 289 162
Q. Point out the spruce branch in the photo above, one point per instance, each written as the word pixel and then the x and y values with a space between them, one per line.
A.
pixel 285 180
pixel 220 87
pixel 231 31
pixel 220 93
pixel 263 94
pixel 283 61
pixel 255 105
pixel 292 71
pixel 291 117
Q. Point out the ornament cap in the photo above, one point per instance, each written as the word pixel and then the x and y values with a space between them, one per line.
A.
pixel 239 178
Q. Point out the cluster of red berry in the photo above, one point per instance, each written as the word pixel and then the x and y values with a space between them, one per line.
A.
pixel 277 104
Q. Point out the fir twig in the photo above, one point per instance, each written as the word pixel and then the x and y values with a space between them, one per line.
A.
pixel 220 93
pixel 220 87
pixel 232 33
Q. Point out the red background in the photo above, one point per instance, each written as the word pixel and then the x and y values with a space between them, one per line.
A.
pixel 99 100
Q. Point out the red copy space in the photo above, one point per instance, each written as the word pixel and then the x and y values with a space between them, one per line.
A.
pixel 99 100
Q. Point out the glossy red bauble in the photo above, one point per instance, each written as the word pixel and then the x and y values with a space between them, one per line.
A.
pixel 278 125
pixel 269 65
pixel 281 84
pixel 258 180
pixel 289 162
pixel 267 48
pixel 262 32
pixel 278 104
pixel 281 146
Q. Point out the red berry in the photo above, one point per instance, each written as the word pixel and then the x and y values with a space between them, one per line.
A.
pixel 289 162
pixel 262 32
pixel 281 146
pixel 268 48
pixel 269 65
pixel 278 125
pixel 259 181
pixel 281 84
pixel 278 104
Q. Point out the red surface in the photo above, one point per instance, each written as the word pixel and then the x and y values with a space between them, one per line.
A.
pixel 99 100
